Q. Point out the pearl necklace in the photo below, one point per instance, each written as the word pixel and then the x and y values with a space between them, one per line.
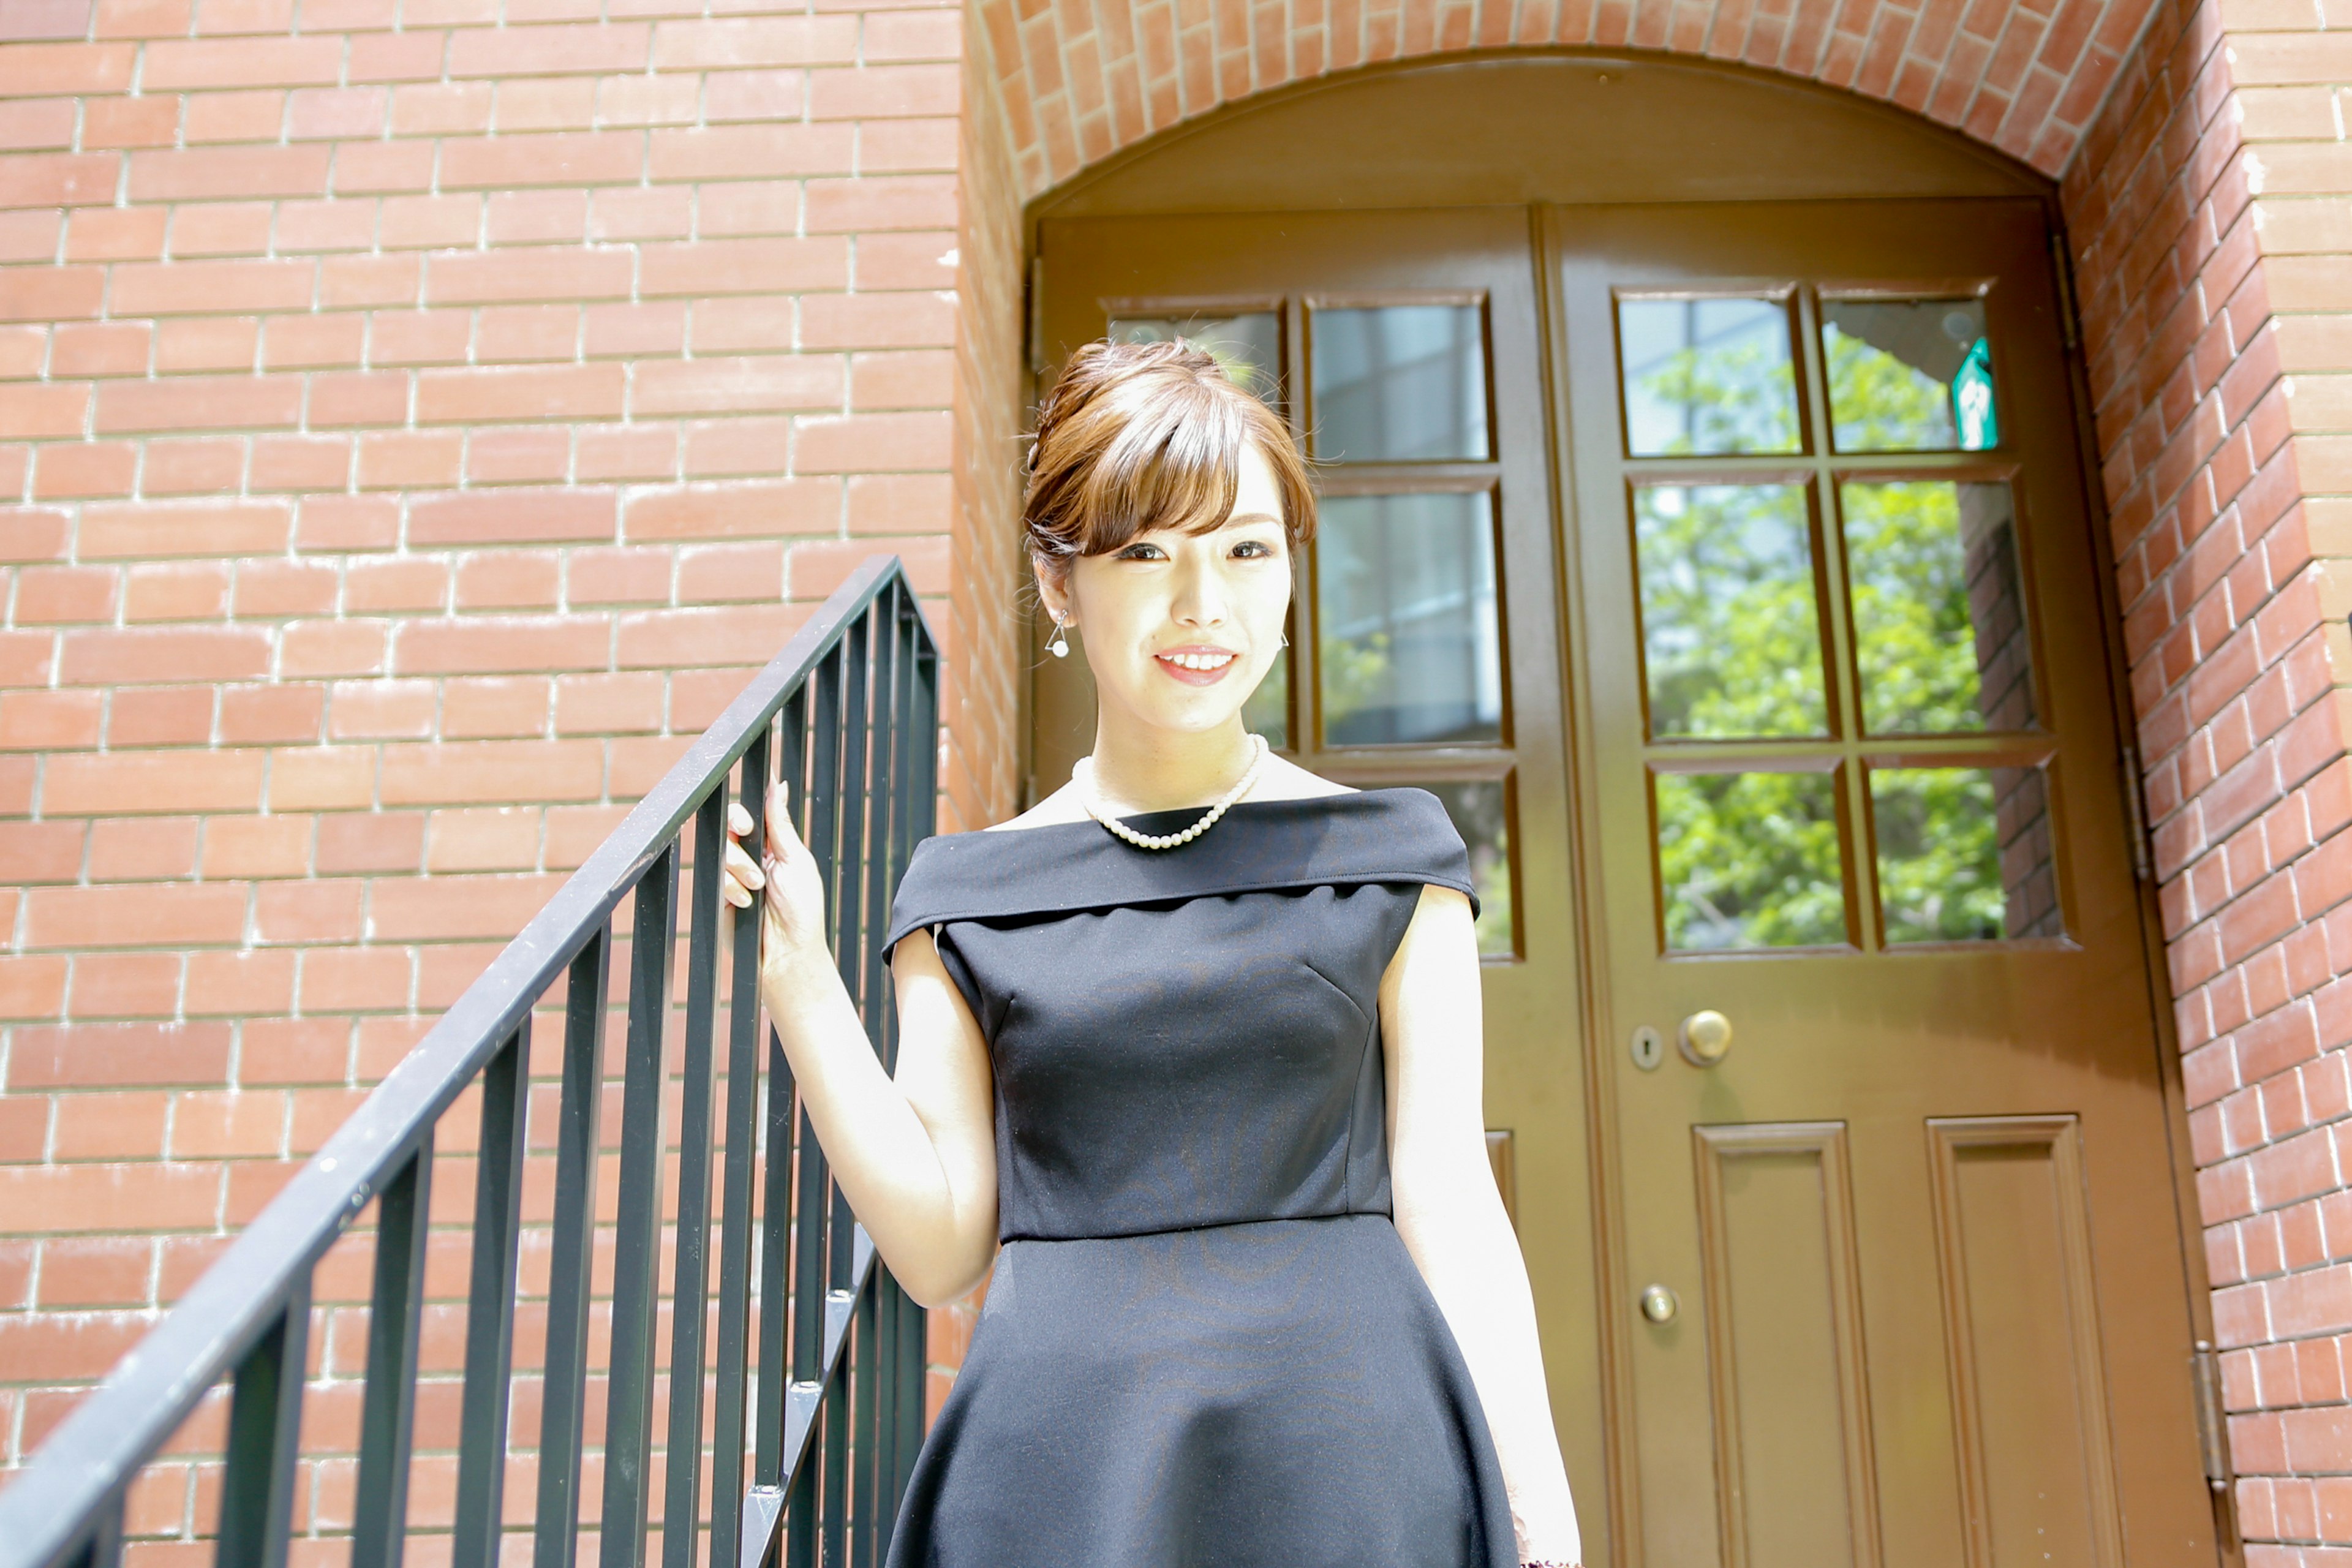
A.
pixel 1084 776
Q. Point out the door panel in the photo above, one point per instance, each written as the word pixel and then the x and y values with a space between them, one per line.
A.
pixel 1792 1452
pixel 2020 1313
pixel 1852 784
pixel 1405 350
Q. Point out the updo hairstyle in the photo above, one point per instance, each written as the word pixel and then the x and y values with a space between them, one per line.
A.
pixel 1143 436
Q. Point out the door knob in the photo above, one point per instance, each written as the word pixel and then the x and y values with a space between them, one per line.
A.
pixel 1659 1304
pixel 1705 1038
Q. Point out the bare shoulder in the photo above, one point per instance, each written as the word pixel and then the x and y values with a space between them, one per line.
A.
pixel 1286 780
pixel 1062 805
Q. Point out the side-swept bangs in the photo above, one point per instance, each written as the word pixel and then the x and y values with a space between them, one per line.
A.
pixel 1145 435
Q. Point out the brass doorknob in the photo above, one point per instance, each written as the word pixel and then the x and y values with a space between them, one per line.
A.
pixel 1705 1038
pixel 1659 1304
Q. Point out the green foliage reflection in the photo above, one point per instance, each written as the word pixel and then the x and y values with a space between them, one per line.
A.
pixel 1915 636
pixel 1705 376
pixel 1750 860
pixel 1938 860
pixel 1732 648
pixel 1731 639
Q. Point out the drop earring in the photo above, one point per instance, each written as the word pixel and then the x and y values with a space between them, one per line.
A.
pixel 1059 644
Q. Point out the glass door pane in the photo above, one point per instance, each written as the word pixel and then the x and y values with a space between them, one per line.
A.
pixel 1731 624
pixel 1706 376
pixel 1411 641
pixel 1397 384
pixel 1248 343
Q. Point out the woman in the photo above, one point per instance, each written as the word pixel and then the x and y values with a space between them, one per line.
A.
pixel 1190 1053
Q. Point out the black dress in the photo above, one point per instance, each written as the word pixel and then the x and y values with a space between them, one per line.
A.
pixel 1204 1345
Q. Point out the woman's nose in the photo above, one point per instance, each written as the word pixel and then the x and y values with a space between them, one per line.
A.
pixel 1199 597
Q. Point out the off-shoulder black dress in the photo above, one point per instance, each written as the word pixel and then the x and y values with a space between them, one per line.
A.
pixel 1204 1345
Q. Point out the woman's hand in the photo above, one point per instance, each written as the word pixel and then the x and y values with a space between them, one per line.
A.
pixel 791 922
pixel 914 1150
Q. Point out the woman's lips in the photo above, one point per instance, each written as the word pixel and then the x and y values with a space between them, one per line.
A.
pixel 1201 666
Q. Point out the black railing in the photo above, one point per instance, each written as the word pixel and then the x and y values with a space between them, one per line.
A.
pixel 818 1384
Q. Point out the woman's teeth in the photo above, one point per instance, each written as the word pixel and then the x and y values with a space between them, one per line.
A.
pixel 1199 660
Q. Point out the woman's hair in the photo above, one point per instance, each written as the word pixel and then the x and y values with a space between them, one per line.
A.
pixel 1142 435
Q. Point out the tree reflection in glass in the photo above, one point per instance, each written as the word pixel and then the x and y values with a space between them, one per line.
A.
pixel 1731 637
pixel 1749 860
pixel 1938 619
pixel 1247 347
pixel 1964 854
pixel 1703 376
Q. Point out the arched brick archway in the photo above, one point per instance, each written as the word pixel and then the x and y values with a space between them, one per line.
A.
pixel 1082 78
pixel 2198 150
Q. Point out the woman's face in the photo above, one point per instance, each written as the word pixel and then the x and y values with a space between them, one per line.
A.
pixel 1178 628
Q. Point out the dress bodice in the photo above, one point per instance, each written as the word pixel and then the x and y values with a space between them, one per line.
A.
pixel 1191 1036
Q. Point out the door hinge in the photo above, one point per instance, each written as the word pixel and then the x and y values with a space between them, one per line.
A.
pixel 2062 271
pixel 2213 1419
pixel 2135 816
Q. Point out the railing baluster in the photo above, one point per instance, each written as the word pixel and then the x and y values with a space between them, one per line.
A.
pixel 809 1279
pixel 866 1406
pixel 689 1290
pixel 849 920
pixel 882 819
pixel 776 1354
pixel 102 1548
pixel 808 1326
pixel 636 1244
pixel 563 1387
pixel 395 1309
pixel 907 1423
pixel 736 1219
pixel 264 1431
pixel 830 717
pixel 489 1305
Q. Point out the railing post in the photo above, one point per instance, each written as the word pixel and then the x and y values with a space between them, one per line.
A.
pixel 637 1242
pixel 736 1219
pixel 564 1382
pixel 689 1289
pixel 395 1308
pixel 489 1305
pixel 102 1548
pixel 264 1431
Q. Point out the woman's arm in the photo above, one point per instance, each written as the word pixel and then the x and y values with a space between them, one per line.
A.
pixel 915 1153
pixel 1452 1219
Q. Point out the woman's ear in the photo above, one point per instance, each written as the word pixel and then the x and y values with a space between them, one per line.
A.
pixel 1053 590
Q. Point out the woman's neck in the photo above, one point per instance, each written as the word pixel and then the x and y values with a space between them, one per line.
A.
pixel 1141 769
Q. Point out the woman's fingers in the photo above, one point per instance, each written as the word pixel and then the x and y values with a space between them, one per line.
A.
pixel 738 821
pixel 742 877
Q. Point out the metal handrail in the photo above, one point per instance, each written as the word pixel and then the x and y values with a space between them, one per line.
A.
pixel 848 712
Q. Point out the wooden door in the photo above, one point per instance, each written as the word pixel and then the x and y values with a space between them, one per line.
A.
pixel 1901 1279
pixel 1405 349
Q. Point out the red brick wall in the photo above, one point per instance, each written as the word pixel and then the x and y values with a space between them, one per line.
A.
pixel 1082 80
pixel 2209 215
pixel 416 419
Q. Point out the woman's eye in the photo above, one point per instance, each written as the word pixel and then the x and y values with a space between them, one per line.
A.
pixel 1252 548
pixel 1139 553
